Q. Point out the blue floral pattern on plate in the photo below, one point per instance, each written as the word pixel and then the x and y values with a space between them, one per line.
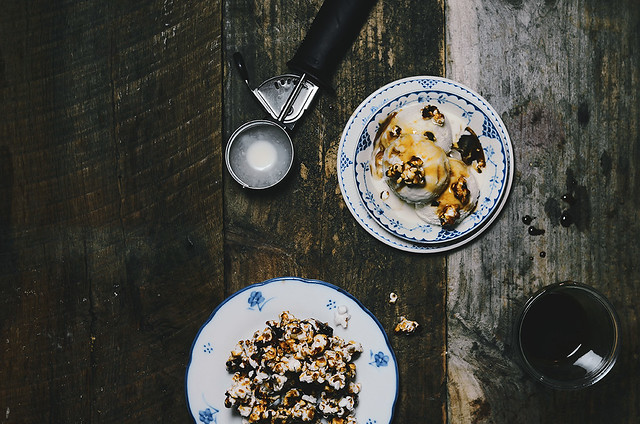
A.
pixel 208 416
pixel 257 300
pixel 354 152
pixel 379 359
pixel 247 310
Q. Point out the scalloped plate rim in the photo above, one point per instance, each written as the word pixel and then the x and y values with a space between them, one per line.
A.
pixel 288 279
pixel 352 195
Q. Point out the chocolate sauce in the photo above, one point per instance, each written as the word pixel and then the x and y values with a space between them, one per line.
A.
pixel 384 124
pixel 566 219
pixel 431 136
pixel 526 220
pixel 470 149
pixel 569 198
pixel 533 231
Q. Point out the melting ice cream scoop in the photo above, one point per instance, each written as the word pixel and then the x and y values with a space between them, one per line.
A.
pixel 457 201
pixel 425 120
pixel 415 168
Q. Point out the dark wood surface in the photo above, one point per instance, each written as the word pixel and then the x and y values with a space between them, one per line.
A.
pixel 111 229
pixel 121 230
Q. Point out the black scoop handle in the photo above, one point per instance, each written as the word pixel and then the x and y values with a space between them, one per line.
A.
pixel 332 32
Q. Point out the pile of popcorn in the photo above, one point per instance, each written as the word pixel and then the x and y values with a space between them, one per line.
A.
pixel 294 371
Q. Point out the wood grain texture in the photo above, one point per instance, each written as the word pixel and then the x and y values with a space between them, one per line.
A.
pixel 564 77
pixel 302 226
pixel 120 229
pixel 110 219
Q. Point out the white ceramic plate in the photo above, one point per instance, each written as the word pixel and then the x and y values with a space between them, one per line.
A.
pixel 246 311
pixel 354 154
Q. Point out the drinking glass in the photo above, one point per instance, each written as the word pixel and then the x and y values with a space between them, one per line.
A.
pixel 568 336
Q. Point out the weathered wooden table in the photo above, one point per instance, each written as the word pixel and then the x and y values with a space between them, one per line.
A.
pixel 121 230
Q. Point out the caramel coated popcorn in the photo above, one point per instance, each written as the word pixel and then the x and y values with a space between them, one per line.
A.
pixel 294 371
pixel 432 112
pixel 411 173
pixel 406 326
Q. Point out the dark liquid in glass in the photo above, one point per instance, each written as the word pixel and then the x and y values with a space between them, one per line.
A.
pixel 566 334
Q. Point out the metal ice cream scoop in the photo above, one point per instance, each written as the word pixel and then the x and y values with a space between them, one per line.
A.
pixel 259 154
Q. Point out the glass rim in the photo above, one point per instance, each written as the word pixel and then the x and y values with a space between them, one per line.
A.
pixel 609 361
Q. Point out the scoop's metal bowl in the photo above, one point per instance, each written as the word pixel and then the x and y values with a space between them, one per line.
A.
pixel 259 154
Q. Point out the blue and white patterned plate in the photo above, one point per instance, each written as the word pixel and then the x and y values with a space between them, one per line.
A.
pixel 410 232
pixel 246 311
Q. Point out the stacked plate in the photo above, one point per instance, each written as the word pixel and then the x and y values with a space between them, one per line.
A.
pixel 405 231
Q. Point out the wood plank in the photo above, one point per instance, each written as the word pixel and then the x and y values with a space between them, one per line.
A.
pixel 302 226
pixel 563 76
pixel 111 218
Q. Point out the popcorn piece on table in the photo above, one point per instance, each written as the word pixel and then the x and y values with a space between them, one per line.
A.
pixel 406 326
